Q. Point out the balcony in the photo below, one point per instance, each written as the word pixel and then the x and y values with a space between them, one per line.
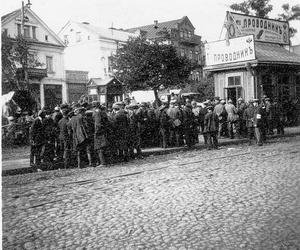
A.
pixel 190 41
pixel 37 73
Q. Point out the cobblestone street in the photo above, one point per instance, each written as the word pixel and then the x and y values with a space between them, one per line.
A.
pixel 238 197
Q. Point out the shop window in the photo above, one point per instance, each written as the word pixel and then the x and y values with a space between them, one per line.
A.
pixel 234 80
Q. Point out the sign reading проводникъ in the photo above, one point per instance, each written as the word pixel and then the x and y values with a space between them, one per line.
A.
pixel 263 29
pixel 234 50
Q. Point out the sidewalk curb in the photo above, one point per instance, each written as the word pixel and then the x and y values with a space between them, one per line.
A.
pixel 159 152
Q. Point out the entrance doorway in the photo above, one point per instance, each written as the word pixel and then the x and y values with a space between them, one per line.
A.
pixel 233 93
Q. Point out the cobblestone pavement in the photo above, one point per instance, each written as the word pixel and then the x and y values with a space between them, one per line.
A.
pixel 238 197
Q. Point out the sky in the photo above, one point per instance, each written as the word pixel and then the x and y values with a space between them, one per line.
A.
pixel 207 16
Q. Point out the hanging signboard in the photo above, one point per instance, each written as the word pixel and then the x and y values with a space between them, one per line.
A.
pixel 263 29
pixel 230 51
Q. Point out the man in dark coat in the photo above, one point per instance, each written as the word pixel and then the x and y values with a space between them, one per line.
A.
pixel 164 125
pixel 121 125
pixel 37 139
pixel 175 116
pixel 101 133
pixel 77 129
pixel 134 138
pixel 220 111
pixel 211 125
pixel 64 139
pixel 50 131
pixel 188 125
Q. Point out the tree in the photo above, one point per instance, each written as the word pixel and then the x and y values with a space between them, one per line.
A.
pixel 16 60
pixel 290 14
pixel 260 8
pixel 142 64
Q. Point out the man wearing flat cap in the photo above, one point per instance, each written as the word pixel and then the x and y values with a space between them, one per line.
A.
pixel 248 117
pixel 211 126
pixel 37 139
pixel 258 122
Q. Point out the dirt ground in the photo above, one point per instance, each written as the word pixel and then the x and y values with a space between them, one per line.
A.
pixel 15 152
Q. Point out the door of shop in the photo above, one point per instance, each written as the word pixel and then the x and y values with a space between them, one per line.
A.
pixel 233 93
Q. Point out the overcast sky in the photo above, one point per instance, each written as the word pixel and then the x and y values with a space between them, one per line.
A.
pixel 206 15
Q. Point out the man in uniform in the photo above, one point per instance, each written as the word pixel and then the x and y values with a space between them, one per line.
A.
pixel 269 116
pixel 164 124
pixel 174 114
pixel 220 111
pixel 241 125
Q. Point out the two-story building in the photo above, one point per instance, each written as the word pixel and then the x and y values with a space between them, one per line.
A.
pixel 89 48
pixel 47 81
pixel 181 34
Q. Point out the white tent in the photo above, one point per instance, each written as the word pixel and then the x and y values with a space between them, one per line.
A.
pixel 143 96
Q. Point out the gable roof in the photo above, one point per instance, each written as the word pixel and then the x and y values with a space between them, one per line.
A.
pixel 102 82
pixel 6 18
pixel 106 33
pixel 152 31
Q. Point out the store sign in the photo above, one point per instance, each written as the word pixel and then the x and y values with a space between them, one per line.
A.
pixel 234 50
pixel 263 29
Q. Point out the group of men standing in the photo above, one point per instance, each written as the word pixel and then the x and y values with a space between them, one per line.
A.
pixel 91 133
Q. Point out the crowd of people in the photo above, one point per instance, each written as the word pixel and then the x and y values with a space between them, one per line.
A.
pixel 83 133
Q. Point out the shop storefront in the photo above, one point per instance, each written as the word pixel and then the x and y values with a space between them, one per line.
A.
pixel 250 66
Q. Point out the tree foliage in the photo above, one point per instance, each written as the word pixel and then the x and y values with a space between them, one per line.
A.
pixel 142 64
pixel 16 60
pixel 260 8
pixel 290 14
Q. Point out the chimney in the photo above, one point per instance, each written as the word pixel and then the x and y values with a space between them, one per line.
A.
pixel 155 24
pixel 87 23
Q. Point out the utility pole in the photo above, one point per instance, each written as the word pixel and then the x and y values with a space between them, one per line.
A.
pixel 23 37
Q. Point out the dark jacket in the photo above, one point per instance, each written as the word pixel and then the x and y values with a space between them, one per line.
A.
pixel 211 122
pixel 248 116
pixel 101 129
pixel 77 129
pixel 37 134
pixel 63 129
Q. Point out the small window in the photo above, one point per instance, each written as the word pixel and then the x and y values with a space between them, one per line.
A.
pixel 88 37
pixel 5 31
pixel 19 29
pixel 66 39
pixel 181 33
pixel 26 31
pixel 46 38
pixel 78 36
pixel 234 81
pixel 33 32
pixel 191 54
pixel 49 63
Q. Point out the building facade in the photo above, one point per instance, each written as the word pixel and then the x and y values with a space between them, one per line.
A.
pixel 48 81
pixel 76 84
pixel 89 47
pixel 181 34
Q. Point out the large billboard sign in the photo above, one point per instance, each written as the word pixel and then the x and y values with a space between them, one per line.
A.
pixel 263 29
pixel 238 49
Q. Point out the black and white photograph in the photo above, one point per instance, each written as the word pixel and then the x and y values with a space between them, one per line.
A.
pixel 140 125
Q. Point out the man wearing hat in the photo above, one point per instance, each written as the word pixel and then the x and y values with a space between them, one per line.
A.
pixel 211 126
pixel 258 122
pixel 121 126
pixel 220 111
pixel 64 139
pixel 101 124
pixel 269 116
pixel 248 117
pixel 77 129
pixel 134 138
pixel 37 139
pixel 50 131
pixel 142 114
pixel 175 116
pixel 164 124
pixel 232 118
pixel 241 107
pixel 188 125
